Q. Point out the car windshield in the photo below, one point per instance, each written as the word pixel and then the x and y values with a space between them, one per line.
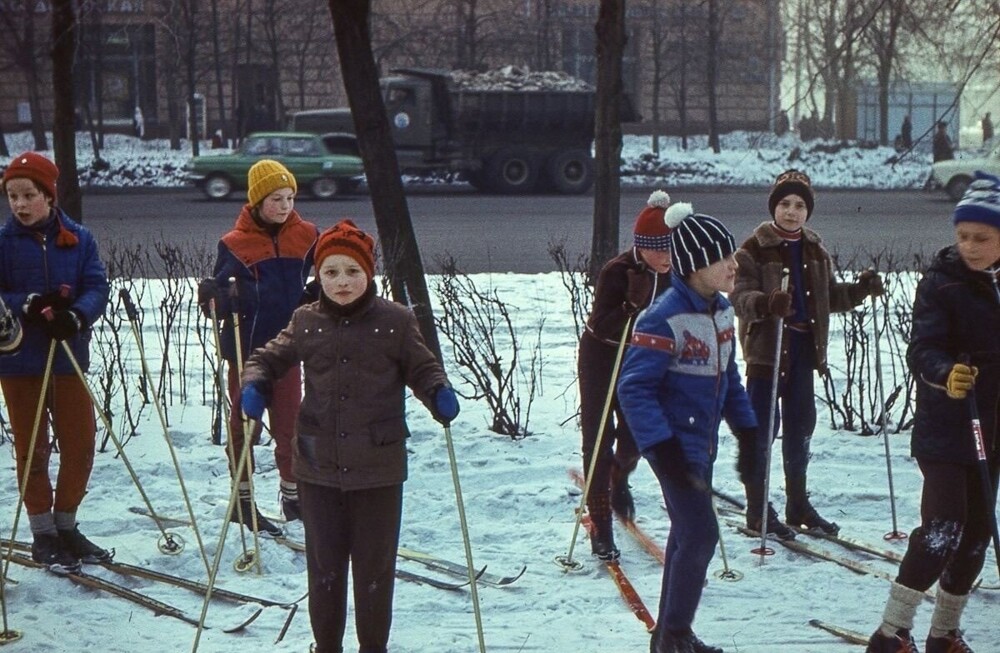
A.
pixel 261 145
pixel 302 147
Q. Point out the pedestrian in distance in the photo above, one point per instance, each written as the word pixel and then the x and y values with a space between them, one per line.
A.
pixel 268 253
pixel 907 132
pixel 956 314
pixel 812 294
pixel 54 283
pixel 941 145
pixel 626 285
pixel 987 128
pixel 359 352
pixel 678 381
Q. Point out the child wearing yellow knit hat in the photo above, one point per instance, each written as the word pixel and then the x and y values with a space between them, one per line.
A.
pixel 268 253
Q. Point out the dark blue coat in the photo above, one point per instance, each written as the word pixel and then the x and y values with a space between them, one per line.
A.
pixel 956 311
pixel 32 261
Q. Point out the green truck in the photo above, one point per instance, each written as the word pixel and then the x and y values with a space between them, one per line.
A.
pixel 501 140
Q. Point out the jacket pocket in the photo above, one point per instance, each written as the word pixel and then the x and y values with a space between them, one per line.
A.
pixel 317 452
pixel 388 431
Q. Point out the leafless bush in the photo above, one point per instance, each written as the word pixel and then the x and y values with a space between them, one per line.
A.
pixel 480 327
pixel 577 282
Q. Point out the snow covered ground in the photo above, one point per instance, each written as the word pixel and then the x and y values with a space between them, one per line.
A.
pixel 519 500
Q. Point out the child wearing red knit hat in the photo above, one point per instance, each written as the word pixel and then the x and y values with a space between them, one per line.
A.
pixel 360 352
pixel 627 284
pixel 55 283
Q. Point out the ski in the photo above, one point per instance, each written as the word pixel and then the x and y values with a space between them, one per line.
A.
pixel 645 541
pixel 402 574
pixel 846 634
pixel 625 588
pixel 853 544
pixel 456 569
pixel 160 519
pixel 93 582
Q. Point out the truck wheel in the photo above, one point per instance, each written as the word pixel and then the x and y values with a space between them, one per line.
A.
pixel 956 187
pixel 218 187
pixel 570 172
pixel 511 172
pixel 324 188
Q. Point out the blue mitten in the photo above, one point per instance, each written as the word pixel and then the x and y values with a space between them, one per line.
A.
pixel 445 405
pixel 252 401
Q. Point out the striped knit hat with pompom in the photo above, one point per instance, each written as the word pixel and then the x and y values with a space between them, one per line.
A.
pixel 696 240
pixel 650 231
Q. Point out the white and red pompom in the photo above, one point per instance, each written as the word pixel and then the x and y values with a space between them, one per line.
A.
pixel 658 199
pixel 676 214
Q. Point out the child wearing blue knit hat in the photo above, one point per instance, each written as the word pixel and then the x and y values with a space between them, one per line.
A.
pixel 953 348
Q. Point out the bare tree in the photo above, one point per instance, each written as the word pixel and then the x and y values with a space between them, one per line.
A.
pixel 882 35
pixel 63 128
pixel 392 215
pixel 712 73
pixel 610 30
pixel 25 52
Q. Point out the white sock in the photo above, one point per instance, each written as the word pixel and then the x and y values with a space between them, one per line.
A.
pixel 42 524
pixel 947 612
pixel 900 609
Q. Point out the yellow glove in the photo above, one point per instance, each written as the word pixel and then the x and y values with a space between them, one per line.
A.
pixel 961 378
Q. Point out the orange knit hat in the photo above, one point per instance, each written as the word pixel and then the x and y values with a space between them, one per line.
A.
pixel 345 238
pixel 37 168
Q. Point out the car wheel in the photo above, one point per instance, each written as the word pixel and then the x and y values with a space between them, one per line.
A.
pixel 956 187
pixel 324 188
pixel 218 187
pixel 570 172
pixel 511 171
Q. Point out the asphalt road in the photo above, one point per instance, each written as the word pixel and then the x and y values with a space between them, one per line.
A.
pixel 490 233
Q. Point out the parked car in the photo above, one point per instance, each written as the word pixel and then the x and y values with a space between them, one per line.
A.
pixel 323 170
pixel 955 175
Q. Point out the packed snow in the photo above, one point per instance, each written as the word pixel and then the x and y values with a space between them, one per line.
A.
pixel 518 498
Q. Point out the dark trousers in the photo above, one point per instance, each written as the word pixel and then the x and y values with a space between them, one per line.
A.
pixel 694 533
pixel 595 366
pixel 360 528
pixel 795 411
pixel 955 528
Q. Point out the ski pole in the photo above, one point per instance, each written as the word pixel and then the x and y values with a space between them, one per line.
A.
pixel 133 318
pixel 895 534
pixel 169 543
pixel 226 409
pixel 764 550
pixel 726 573
pixel 984 468
pixel 567 561
pixel 234 301
pixel 465 537
pixel 213 573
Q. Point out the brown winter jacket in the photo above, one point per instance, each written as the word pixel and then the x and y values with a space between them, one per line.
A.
pixel 351 430
pixel 761 259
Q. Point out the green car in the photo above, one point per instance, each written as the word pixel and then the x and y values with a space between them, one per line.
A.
pixel 309 158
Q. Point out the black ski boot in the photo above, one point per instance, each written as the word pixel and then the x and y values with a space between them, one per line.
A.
pixel 755 499
pixel 47 550
pixel 622 502
pixel 78 546
pixel 800 513
pixel 602 533
pixel 901 642
pixel 952 642
pixel 290 509
pixel 265 526
pixel 674 642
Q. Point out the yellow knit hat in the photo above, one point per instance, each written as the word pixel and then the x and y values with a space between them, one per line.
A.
pixel 265 177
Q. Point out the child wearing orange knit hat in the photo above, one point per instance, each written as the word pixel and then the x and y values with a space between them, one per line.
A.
pixel 360 352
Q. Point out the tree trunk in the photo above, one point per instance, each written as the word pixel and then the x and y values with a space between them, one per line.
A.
pixel 610 30
pixel 401 256
pixel 29 63
pixel 712 75
pixel 217 67
pixel 63 128
pixel 4 152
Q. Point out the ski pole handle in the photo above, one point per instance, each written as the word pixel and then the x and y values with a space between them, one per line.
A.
pixel 975 424
pixel 130 310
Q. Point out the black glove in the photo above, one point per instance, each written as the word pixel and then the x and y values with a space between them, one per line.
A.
pixel 35 303
pixel 64 325
pixel 870 283
pixel 208 289
pixel 746 453
pixel 668 458
pixel 640 287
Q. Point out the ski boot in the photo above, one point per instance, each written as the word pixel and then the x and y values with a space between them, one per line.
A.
pixel 246 510
pixel 901 642
pixel 673 642
pixel 775 526
pixel 602 534
pixel 952 642
pixel 78 546
pixel 800 513
pixel 622 502
pixel 47 550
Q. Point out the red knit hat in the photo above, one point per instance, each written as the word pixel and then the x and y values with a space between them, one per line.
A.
pixel 345 238
pixel 650 231
pixel 34 166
